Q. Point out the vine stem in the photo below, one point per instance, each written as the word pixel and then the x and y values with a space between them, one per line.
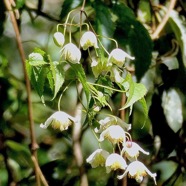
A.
pixel 123 117
pixel 34 145
pixel 164 21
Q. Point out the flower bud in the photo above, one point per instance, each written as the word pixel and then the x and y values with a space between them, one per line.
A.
pixel 88 39
pixel 71 53
pixel 59 39
pixel 117 56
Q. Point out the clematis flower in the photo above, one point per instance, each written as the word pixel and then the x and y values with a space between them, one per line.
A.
pixel 137 170
pixel 59 120
pixel 71 53
pixel 88 39
pixel 117 56
pixel 59 39
pixel 114 134
pixel 114 162
pixel 109 121
pixel 131 150
pixel 97 158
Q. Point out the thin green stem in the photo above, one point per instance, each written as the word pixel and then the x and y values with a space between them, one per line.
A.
pixel 103 86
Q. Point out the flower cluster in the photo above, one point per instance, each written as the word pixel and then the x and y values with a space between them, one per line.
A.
pixel 110 128
pixel 115 130
pixel 71 53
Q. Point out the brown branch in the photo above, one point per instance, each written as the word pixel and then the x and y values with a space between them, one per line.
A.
pixel 34 145
pixel 77 146
pixel 164 21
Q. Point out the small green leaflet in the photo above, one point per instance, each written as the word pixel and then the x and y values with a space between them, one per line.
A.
pixel 136 92
pixel 38 76
pixel 58 74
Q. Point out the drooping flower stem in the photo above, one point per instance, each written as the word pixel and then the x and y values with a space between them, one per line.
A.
pixel 34 145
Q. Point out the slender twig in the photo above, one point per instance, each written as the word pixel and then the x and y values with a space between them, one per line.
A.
pixel 34 145
pixel 77 146
pixel 123 117
pixel 77 130
pixel 164 21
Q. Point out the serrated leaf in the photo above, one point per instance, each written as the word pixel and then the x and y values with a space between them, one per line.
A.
pixel 179 27
pixel 38 76
pixel 58 76
pixel 19 152
pixel 131 34
pixel 80 74
pixel 136 92
pixel 145 108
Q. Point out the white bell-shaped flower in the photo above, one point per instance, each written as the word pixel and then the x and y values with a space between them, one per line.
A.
pixel 115 134
pixel 59 120
pixel 115 162
pixel 132 149
pixel 71 53
pixel 117 56
pixel 59 39
pixel 88 39
pixel 137 170
pixel 109 121
pixel 97 158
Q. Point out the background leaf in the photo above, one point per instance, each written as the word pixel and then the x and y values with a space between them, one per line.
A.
pixel 131 33
pixel 178 25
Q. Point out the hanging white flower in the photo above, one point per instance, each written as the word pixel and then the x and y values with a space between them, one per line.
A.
pixel 71 53
pixel 59 39
pixel 115 162
pixel 109 121
pixel 117 56
pixel 88 39
pixel 97 158
pixel 59 120
pixel 137 170
pixel 132 149
pixel 115 134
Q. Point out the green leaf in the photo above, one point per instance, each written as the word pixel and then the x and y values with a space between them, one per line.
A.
pixel 58 76
pixel 19 153
pixel 174 117
pixel 38 77
pixel 144 11
pixel 104 25
pixel 20 3
pixel 178 26
pixel 136 92
pixel 145 108
pixel 131 34
pixel 80 74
